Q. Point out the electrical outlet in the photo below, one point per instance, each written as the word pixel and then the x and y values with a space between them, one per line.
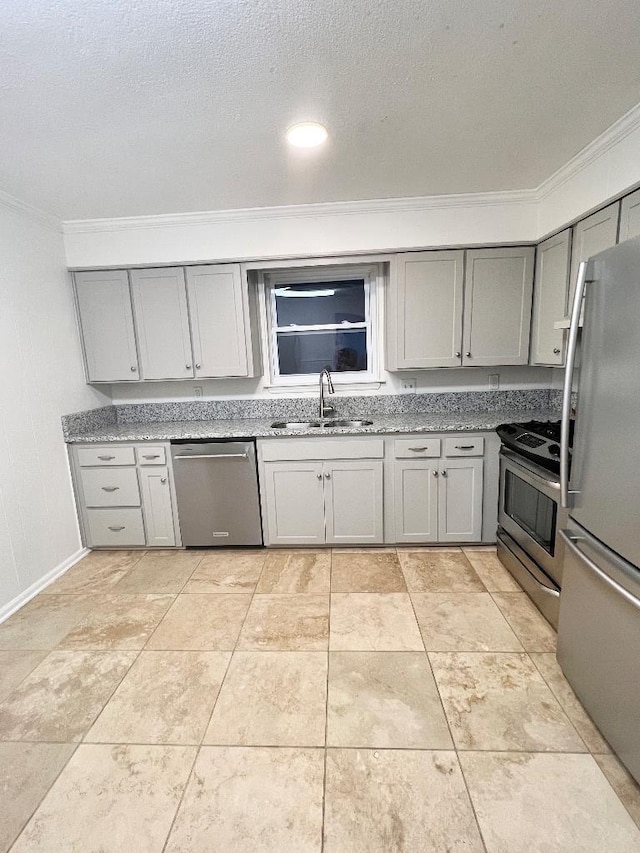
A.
pixel 408 385
pixel 197 391
pixel 494 381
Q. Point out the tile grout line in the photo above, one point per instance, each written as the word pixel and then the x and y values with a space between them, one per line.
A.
pixel 326 709
pixel 46 793
pixel 182 795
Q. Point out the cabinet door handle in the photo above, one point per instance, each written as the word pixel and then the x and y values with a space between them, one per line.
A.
pixel 468 354
pixel 328 476
pixel 110 488
pixel 106 458
pixel 465 446
pixel 444 473
pixel 418 449
pixel 556 351
pixel 197 366
pixel 458 354
pixel 188 366
pixel 163 479
pixel 319 476
pixel 151 456
pixel 115 528
pixel 435 473
pixel 134 369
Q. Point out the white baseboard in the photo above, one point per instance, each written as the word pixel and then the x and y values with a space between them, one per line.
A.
pixel 29 593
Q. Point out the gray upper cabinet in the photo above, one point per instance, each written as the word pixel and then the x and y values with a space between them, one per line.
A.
pixel 106 326
pixel 550 299
pixel 497 306
pixel 590 236
pixel 425 310
pixel 630 216
pixel 162 323
pixel 218 310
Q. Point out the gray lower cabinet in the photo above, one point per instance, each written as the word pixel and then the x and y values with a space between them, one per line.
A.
pixel 325 502
pixel 105 318
pixel 460 489
pixel 124 495
pixel 439 500
pixel 497 306
pixel 551 291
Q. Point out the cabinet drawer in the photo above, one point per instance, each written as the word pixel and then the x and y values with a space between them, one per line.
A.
pixel 464 446
pixel 151 455
pixel 105 456
pixel 118 527
pixel 110 487
pixel 416 448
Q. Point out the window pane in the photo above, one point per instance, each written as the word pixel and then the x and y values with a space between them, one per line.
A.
pixel 309 352
pixel 320 303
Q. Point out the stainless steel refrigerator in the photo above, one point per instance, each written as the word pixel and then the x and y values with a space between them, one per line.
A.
pixel 599 626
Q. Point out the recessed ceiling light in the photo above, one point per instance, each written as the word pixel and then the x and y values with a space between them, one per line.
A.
pixel 307 134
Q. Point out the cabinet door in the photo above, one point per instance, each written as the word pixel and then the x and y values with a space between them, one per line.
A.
pixel 497 306
pixel 460 500
pixel 630 217
pixel 590 236
pixel 426 310
pixel 294 503
pixel 353 502
pixel 106 326
pixel 550 299
pixel 415 486
pixel 156 506
pixel 219 320
pixel 162 323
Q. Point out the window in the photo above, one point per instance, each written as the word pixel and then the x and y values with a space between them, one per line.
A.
pixel 322 317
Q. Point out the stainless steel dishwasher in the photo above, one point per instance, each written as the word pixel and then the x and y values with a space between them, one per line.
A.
pixel 217 490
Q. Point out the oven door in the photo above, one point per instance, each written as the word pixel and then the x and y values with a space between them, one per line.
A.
pixel 529 511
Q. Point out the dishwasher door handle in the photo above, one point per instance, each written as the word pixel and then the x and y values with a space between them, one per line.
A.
pixel 215 456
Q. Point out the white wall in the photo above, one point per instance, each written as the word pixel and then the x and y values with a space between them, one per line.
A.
pixel 41 379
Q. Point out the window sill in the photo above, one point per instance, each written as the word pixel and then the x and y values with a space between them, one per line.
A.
pixel 311 388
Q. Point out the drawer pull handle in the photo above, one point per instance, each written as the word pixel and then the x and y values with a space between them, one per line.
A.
pixel 116 528
pixel 106 458
pixel 465 446
pixel 110 488
pixel 151 456
pixel 418 449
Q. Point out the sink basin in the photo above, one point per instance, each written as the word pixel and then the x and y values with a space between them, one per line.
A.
pixel 347 423
pixel 295 424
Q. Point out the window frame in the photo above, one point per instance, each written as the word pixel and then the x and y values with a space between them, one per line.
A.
pixel 372 276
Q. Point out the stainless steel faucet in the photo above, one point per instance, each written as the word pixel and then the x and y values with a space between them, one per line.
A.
pixel 325 410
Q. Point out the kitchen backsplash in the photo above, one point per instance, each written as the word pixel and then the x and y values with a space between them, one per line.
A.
pixel 297 408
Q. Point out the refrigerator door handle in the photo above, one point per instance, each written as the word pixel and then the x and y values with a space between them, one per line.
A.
pixel 595 568
pixel 572 345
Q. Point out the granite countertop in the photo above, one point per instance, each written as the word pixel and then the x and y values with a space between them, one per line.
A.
pixel 261 427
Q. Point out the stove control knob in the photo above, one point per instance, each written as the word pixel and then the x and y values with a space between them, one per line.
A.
pixel 554 449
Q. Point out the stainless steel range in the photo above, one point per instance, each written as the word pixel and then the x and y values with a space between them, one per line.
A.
pixel 529 514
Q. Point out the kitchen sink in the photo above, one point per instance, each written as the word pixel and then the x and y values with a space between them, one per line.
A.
pixel 347 423
pixel 295 424
pixel 319 424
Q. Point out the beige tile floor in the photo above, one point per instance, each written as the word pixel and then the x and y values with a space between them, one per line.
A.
pixel 381 700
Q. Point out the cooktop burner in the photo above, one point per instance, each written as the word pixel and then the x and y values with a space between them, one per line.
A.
pixel 538 441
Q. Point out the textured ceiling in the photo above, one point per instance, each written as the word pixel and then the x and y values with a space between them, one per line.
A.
pixel 128 107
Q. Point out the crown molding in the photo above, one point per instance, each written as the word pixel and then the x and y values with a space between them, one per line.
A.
pixel 595 149
pixel 414 205
pixel 42 216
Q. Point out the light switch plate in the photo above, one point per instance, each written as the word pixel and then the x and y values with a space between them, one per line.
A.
pixel 494 381
pixel 197 391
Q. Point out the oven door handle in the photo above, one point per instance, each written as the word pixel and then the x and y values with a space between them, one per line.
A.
pixel 511 456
